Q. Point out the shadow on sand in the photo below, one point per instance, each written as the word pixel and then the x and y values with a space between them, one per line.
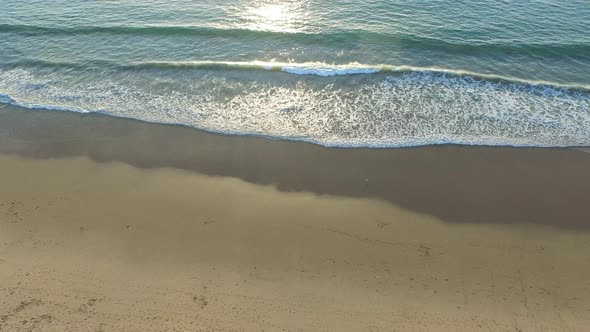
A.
pixel 454 183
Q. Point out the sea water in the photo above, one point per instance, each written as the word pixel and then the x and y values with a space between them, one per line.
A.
pixel 354 73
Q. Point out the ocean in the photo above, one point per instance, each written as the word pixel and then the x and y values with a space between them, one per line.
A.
pixel 356 73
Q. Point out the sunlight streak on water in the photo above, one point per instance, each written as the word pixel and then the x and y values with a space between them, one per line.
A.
pixel 274 16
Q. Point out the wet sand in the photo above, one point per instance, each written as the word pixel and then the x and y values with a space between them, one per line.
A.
pixel 110 224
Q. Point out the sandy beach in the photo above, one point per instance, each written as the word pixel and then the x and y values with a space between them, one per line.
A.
pixel 110 224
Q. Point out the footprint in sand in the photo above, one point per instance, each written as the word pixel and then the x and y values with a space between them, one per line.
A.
pixel 383 224
pixel 424 250
pixel 201 300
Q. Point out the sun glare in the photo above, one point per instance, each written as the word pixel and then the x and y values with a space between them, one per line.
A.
pixel 272 17
pixel 271 12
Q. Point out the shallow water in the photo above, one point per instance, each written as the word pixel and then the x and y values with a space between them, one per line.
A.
pixel 338 73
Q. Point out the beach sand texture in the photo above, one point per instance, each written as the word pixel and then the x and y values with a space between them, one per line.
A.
pixel 116 225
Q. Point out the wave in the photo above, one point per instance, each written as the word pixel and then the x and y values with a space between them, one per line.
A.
pixel 306 68
pixel 8 100
pixel 399 142
pixel 347 38
pixel 354 68
pixel 404 109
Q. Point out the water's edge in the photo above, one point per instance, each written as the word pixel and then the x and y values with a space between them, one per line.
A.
pixel 24 108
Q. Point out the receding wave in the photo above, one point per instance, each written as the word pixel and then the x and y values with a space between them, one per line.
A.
pixel 346 38
pixel 406 108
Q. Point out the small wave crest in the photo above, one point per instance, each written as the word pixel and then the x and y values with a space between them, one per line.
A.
pixel 354 68
pixel 7 100
pixel 306 68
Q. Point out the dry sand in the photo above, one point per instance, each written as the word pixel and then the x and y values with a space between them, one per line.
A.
pixel 116 225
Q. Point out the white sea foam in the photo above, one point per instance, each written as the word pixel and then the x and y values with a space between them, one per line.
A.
pixel 402 109
pixel 5 99
pixel 325 72
pixel 306 68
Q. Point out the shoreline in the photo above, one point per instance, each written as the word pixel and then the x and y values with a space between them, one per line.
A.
pixel 416 142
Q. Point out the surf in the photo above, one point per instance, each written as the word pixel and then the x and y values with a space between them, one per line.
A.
pixel 383 109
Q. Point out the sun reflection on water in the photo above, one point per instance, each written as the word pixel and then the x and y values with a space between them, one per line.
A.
pixel 275 16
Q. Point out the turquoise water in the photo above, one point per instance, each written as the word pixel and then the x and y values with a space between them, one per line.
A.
pixel 377 73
